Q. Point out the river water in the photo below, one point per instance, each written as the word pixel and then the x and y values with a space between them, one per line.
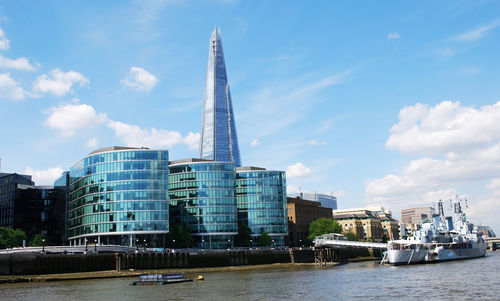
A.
pixel 474 279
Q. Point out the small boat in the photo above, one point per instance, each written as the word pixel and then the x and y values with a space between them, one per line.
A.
pixel 161 279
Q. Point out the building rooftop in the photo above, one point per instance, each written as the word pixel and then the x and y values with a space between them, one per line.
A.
pixel 114 148
pixel 189 160
pixel 5 174
pixel 356 210
pixel 249 168
pixel 298 200
pixel 352 215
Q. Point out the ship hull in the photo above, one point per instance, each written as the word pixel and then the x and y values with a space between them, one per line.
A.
pixel 401 257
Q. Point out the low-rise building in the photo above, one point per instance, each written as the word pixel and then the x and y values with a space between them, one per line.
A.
pixel 300 215
pixel 370 223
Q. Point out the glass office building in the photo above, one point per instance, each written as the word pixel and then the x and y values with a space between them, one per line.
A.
pixel 261 201
pixel 218 131
pixel 119 195
pixel 202 195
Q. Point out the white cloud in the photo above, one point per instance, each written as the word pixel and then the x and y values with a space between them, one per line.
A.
pixel 140 80
pixel 444 128
pixel 133 135
pixel 4 42
pixel 478 32
pixel 465 141
pixel 69 118
pixel 297 170
pixel 19 64
pixel 58 82
pixel 44 177
pixel 92 143
pixel 192 140
pixel 10 89
pixel 393 35
pixel 255 142
pixel 316 142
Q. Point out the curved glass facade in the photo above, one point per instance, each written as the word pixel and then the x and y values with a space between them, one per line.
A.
pixel 261 201
pixel 202 195
pixel 119 196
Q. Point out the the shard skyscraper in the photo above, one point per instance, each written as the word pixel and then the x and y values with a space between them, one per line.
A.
pixel 218 131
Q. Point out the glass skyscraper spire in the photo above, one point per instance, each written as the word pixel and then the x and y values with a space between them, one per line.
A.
pixel 218 134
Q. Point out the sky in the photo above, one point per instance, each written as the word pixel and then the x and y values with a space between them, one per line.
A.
pixel 394 104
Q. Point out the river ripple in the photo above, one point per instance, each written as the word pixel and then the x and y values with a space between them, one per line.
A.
pixel 476 279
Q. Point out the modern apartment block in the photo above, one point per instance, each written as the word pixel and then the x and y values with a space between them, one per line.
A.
pixel 326 200
pixel 33 209
pixel 261 202
pixel 119 195
pixel 416 216
pixel 202 195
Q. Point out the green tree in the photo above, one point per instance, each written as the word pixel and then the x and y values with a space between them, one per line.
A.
pixel 244 235
pixel 351 236
pixel 10 238
pixel 37 241
pixel 323 226
pixel 265 239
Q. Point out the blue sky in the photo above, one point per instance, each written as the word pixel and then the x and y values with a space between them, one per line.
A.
pixel 391 104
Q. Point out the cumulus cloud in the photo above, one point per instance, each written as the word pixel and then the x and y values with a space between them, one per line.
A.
pixel 44 177
pixel 19 64
pixel 446 127
pixel 133 135
pixel 297 170
pixel 10 89
pixel 92 143
pixel 255 142
pixel 68 118
pixel 459 147
pixel 140 80
pixel 4 42
pixel 58 82
pixel 393 35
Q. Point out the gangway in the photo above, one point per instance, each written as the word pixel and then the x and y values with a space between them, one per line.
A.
pixel 338 244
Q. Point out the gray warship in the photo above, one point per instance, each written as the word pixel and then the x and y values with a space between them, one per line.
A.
pixel 439 239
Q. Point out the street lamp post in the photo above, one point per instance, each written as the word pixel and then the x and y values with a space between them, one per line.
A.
pixel 43 245
pixel 137 244
pixel 229 244
pixel 145 245
pixel 173 240
pixel 95 245
pixel 86 241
